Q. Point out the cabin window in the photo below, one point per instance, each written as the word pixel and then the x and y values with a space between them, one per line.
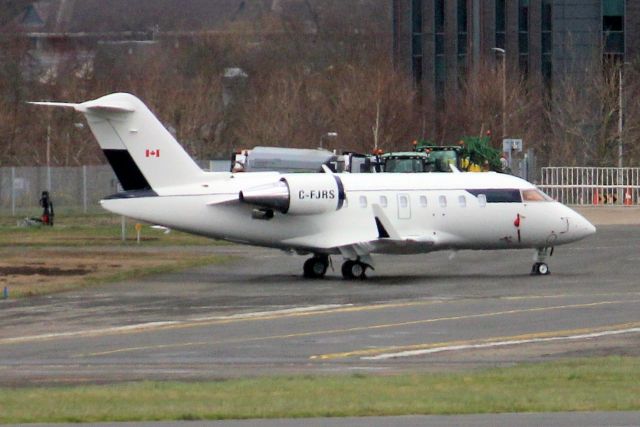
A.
pixel 404 201
pixel 423 201
pixel 363 201
pixel 462 201
pixel 443 201
pixel 383 201
pixel 499 195
pixel 482 200
pixel 535 195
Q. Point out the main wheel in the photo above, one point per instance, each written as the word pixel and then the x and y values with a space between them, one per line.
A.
pixel 353 270
pixel 316 267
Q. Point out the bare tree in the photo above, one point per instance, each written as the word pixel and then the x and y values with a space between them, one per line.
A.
pixel 584 118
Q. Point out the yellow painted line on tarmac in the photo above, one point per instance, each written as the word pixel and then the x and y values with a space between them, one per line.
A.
pixel 417 349
pixel 353 329
pixel 539 338
pixel 218 320
pixel 370 351
pixel 273 315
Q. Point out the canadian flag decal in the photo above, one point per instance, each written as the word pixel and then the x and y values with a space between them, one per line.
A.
pixel 152 153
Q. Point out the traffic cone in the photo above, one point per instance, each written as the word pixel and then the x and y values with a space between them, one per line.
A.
pixel 596 197
pixel 628 198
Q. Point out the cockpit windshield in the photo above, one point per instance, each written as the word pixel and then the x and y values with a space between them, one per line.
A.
pixel 535 195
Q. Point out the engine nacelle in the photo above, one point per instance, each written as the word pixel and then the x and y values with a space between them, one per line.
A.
pixel 314 193
pixel 303 194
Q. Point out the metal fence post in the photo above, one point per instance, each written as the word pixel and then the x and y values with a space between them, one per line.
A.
pixel 620 184
pixel 13 191
pixel 84 188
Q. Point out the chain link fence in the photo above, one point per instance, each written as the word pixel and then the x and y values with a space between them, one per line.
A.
pixel 72 189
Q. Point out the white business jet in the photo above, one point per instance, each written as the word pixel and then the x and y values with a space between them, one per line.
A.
pixel 322 214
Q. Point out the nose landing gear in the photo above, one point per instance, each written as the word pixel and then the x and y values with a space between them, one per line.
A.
pixel 540 268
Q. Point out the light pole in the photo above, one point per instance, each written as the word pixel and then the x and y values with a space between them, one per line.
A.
pixel 620 120
pixel 504 88
pixel 48 153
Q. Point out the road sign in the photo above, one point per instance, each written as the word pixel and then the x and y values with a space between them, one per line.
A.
pixel 509 145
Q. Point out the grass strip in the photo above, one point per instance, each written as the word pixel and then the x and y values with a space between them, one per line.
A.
pixel 75 283
pixel 90 230
pixel 85 250
pixel 595 384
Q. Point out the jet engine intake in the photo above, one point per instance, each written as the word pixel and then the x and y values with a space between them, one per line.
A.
pixel 307 194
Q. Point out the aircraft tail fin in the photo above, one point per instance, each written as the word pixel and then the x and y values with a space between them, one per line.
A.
pixel 141 151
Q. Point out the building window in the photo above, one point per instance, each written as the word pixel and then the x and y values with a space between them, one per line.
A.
pixel 547 41
pixel 501 22
pixel 416 40
pixel 463 37
pixel 613 29
pixel 523 36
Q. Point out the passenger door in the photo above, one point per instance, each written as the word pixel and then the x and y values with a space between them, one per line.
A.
pixel 404 206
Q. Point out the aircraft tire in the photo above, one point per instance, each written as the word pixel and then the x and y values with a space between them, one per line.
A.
pixel 352 270
pixel 315 267
pixel 540 269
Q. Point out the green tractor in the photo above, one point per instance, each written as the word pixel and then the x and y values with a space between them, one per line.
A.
pixel 425 157
pixel 472 154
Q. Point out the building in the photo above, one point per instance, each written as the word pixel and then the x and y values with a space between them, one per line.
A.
pixel 440 42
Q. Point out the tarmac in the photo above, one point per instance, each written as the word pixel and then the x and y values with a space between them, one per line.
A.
pixel 606 215
pixel 257 316
pixel 560 419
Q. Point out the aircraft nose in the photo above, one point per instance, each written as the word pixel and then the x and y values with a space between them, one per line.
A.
pixel 582 227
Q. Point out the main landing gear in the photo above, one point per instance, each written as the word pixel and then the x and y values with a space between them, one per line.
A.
pixel 352 270
pixel 316 268
pixel 540 268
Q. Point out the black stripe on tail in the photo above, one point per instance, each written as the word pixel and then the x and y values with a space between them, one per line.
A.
pixel 126 170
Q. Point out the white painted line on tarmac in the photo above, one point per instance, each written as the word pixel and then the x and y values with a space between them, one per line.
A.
pixel 85 333
pixel 422 352
pixel 271 313
pixel 155 325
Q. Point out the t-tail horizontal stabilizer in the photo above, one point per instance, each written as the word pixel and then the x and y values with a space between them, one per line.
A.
pixel 141 151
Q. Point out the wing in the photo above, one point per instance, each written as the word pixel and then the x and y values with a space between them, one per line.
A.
pixel 388 240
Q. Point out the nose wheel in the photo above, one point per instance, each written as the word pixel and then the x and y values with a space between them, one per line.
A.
pixel 316 267
pixel 352 270
pixel 540 268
